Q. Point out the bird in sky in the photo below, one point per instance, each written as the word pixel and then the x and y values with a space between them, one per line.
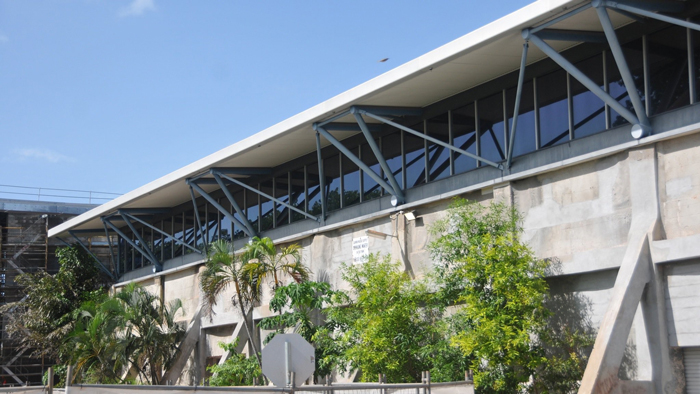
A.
pixel 383 60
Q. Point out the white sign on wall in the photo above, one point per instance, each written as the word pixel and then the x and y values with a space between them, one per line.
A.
pixel 360 250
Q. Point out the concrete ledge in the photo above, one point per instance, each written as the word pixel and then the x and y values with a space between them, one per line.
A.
pixel 676 249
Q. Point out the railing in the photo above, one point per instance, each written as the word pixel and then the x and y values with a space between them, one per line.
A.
pixel 65 195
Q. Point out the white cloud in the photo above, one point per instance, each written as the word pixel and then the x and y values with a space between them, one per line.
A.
pixel 42 154
pixel 138 7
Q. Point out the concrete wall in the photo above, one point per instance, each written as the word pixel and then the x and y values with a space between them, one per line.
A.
pixel 580 216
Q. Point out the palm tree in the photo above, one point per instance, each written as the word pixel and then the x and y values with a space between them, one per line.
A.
pixel 150 332
pixel 263 260
pixel 224 269
pixel 94 346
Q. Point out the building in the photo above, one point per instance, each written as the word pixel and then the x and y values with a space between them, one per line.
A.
pixel 602 160
pixel 24 249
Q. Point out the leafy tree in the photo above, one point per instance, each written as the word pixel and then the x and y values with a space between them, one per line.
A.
pixel 388 324
pixel 262 260
pixel 237 370
pixel 300 306
pixel 133 330
pixel 224 269
pixel 502 319
pixel 44 317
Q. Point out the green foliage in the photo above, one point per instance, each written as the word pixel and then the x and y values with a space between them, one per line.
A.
pixel 132 330
pixel 43 319
pixel 389 324
pixel 300 306
pixel 502 318
pixel 262 260
pixel 237 370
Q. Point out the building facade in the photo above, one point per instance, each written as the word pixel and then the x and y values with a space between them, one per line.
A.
pixel 583 115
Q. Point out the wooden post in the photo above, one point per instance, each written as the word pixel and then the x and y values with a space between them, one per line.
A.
pixel 49 382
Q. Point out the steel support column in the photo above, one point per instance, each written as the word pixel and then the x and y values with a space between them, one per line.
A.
pixel 154 259
pixel 516 110
pixel 111 250
pixel 244 220
pixel 198 223
pixel 429 138
pixel 99 263
pixel 356 160
pixel 126 239
pixel 625 73
pixel 220 208
pixel 380 158
pixel 581 77
pixel 321 178
pixel 269 197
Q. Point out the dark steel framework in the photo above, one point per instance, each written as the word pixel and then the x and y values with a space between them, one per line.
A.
pixel 610 79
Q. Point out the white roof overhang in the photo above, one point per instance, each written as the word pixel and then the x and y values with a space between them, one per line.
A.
pixel 473 59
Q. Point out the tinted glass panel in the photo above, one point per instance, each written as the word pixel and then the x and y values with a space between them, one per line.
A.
pixel 415 157
pixel 331 168
pixel 438 156
pixel 464 137
pixel 298 193
pixel 554 113
pixel 668 69
pixel 525 133
pixel 391 147
pixel 252 208
pixel 282 194
pixel 351 180
pixel 589 110
pixel 238 232
pixel 492 126
pixel 266 207
pixel 314 191
pixel 371 188
pixel 635 61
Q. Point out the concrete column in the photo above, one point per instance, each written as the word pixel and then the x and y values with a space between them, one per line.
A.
pixel 503 193
pixel 636 270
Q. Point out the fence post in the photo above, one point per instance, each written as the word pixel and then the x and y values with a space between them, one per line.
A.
pixel 69 377
pixel 291 381
pixel 427 377
pixel 50 381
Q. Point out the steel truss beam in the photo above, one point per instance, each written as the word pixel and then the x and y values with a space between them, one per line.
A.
pixel 243 223
pixel 99 263
pixel 635 8
pixel 233 202
pixel 572 35
pixel 145 252
pixel 516 111
pixel 588 83
pixel 219 175
pixel 127 213
pixel 427 137
pixel 357 161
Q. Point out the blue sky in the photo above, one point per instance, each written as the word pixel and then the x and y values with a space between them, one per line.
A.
pixel 109 95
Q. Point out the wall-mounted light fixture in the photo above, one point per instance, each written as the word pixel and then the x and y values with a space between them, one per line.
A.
pixel 410 215
pixel 376 234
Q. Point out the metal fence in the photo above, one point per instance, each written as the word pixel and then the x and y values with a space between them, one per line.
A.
pixel 349 388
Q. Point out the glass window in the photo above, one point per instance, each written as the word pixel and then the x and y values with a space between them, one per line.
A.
pixel 314 191
pixel 554 109
pixel 331 170
pixel 267 207
pixel 282 194
pixel 667 56
pixel 464 137
pixel 415 157
pixel 298 196
pixel 372 189
pixel 635 60
pixel 238 196
pixel 589 110
pixel 391 148
pixel 351 180
pixel 525 133
pixel 492 127
pixel 251 199
pixel 438 156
